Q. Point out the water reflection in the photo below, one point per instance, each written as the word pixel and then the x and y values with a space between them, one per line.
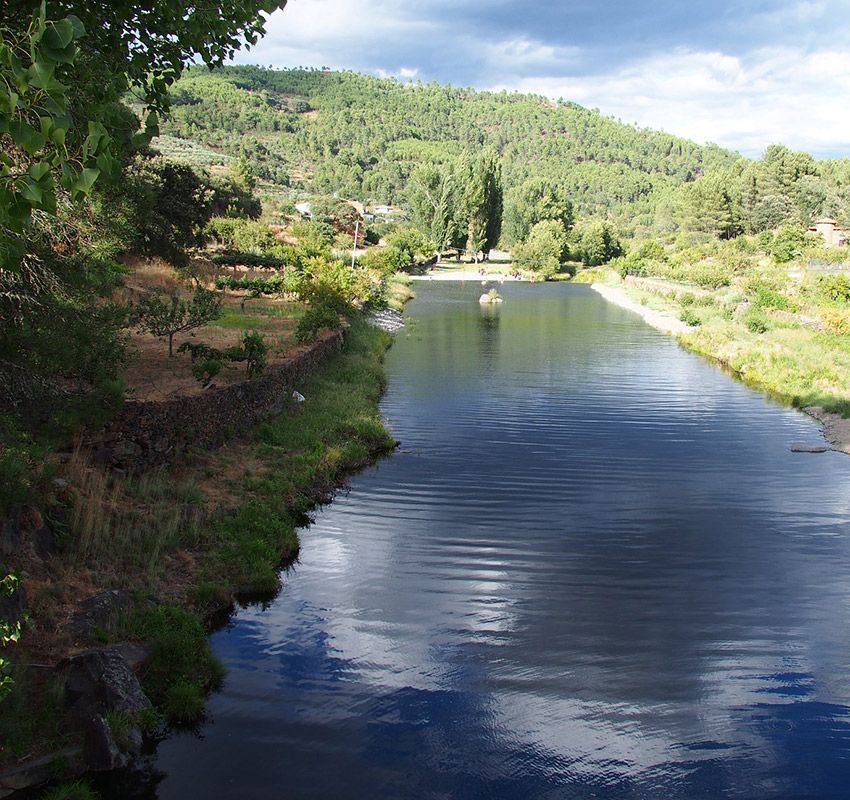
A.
pixel 595 570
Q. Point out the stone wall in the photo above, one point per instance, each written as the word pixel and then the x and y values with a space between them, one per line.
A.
pixel 148 434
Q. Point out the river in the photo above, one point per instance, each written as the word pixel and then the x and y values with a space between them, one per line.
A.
pixel 593 569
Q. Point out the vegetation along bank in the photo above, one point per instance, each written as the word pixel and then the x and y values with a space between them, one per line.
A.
pixel 173 240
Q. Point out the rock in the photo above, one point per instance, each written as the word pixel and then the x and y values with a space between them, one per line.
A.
pixel 124 451
pixel 809 448
pixel 36 771
pixel 99 611
pixel 101 680
pixel 133 653
pixel 100 749
pixel 298 397
pixel 10 537
pixel 43 542
pixel 489 299
pixel 741 308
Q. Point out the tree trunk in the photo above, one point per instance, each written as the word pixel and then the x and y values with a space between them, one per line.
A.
pixel 170 345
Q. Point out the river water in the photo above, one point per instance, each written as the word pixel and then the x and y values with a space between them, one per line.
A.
pixel 594 569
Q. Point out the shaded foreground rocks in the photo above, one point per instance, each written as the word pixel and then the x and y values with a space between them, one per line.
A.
pixel 99 612
pixel 37 771
pixel 96 683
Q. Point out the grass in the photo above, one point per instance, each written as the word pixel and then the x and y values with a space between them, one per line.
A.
pixel 181 667
pixel 773 342
pixel 306 453
pixel 78 790
pixel 31 715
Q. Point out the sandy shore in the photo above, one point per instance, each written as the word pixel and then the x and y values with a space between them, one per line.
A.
pixel 835 428
pixel 454 274
pixel 661 320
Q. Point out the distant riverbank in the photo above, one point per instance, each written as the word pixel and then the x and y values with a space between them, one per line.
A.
pixel 836 429
pixel 459 274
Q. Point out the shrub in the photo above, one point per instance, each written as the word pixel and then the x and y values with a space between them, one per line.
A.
pixel 544 249
pixel 789 242
pixel 255 352
pixel 244 235
pixel 689 318
pixel 836 320
pixel 314 321
pixel 757 323
pixel 834 287
pixel 687 298
pixel 208 361
pixel 179 651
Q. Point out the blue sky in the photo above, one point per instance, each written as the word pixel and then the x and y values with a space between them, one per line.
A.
pixel 742 74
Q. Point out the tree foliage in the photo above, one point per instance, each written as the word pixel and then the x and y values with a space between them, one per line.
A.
pixel 544 250
pixel 167 318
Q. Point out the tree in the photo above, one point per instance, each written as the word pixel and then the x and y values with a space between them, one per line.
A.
pixel 544 250
pixel 177 316
pixel 168 204
pixel 533 201
pixel 64 67
pixel 596 243
pixel 483 203
pixel 771 211
pixel 433 197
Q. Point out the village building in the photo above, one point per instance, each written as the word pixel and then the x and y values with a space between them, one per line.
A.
pixel 833 234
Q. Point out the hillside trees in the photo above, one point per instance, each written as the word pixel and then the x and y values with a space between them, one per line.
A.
pixel 65 66
pixel 533 201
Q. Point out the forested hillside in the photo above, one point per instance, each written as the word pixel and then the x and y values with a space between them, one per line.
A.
pixel 362 137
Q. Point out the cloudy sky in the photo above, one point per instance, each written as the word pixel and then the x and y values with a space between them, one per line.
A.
pixel 742 73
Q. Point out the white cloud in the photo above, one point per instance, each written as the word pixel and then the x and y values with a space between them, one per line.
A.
pixel 771 95
pixel 791 94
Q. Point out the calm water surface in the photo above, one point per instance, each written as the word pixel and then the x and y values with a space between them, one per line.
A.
pixel 594 569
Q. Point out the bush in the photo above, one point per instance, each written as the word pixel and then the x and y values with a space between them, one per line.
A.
pixel 71 791
pixel 836 320
pixel 835 288
pixel 689 318
pixel 314 321
pixel 208 361
pixel 544 250
pixel 789 242
pixel 757 323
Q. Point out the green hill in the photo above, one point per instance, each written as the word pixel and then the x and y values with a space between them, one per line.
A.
pixel 361 136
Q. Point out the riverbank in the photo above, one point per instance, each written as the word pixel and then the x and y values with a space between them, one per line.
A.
pixel 462 274
pixel 774 366
pixel 660 320
pixel 225 525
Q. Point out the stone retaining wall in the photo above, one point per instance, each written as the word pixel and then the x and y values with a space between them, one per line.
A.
pixel 148 434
